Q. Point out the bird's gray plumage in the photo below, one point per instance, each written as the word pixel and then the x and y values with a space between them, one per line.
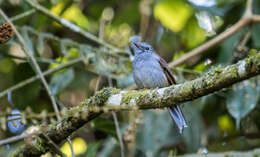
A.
pixel 148 76
pixel 148 73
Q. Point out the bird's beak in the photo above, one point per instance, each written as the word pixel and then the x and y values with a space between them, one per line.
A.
pixel 133 41
pixel 133 47
pixel 136 45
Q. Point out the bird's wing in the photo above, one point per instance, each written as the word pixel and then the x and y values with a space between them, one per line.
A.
pixel 170 78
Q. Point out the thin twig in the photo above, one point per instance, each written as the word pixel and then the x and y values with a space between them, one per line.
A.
pixel 242 45
pixel 36 66
pixel 66 40
pixel 28 115
pixel 256 18
pixel 38 59
pixel 16 138
pixel 103 22
pixel 106 109
pixel 249 11
pixel 145 11
pixel 34 78
pixel 204 47
pixel 22 15
pixel 118 132
pixel 70 25
pixel 71 146
pixel 54 147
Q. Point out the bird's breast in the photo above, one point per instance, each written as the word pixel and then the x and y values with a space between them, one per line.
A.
pixel 148 73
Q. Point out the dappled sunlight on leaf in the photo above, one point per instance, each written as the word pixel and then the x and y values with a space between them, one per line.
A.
pixel 206 22
pixel 118 35
pixel 6 65
pixel 200 67
pixel 173 14
pixel 73 53
pixel 193 35
pixel 58 8
pixel 226 124
pixel 73 14
pixel 178 55
pixel 62 60
pixel 79 147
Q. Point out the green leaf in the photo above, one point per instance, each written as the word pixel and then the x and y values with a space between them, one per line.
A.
pixel 173 14
pixel 28 41
pixel 193 35
pixel 256 35
pixel 242 99
pixel 6 65
pixel 227 48
pixel 156 131
pixel 61 80
pixel 92 149
pixel 72 13
pixel 125 80
pixel 29 94
pixel 40 44
pixel 108 147
pixel 192 134
pixel 105 125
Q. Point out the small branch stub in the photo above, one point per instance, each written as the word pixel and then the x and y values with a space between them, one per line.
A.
pixel 6 32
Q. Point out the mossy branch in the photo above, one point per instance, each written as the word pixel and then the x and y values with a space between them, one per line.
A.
pixel 115 99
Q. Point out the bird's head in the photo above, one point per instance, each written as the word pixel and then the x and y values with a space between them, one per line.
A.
pixel 138 47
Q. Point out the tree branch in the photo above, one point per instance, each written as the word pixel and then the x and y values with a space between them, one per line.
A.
pixel 114 99
pixel 246 19
pixel 209 44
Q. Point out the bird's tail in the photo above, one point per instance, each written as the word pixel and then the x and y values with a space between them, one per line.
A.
pixel 178 117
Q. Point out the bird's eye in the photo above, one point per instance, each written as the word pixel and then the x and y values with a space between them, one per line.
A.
pixel 147 48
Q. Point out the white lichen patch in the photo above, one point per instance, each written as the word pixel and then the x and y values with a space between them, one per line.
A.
pixel 59 125
pixel 132 102
pixel 242 68
pixel 115 99
pixel 70 25
pixel 161 91
pixel 180 86
pixel 123 92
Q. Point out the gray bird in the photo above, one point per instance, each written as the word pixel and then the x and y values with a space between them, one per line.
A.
pixel 151 71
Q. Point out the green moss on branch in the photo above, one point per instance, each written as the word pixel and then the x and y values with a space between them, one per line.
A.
pixel 76 117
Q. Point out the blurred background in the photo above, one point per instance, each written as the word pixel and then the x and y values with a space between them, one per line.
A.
pixel 223 121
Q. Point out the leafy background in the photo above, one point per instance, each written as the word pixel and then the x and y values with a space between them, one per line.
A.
pixel 216 122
